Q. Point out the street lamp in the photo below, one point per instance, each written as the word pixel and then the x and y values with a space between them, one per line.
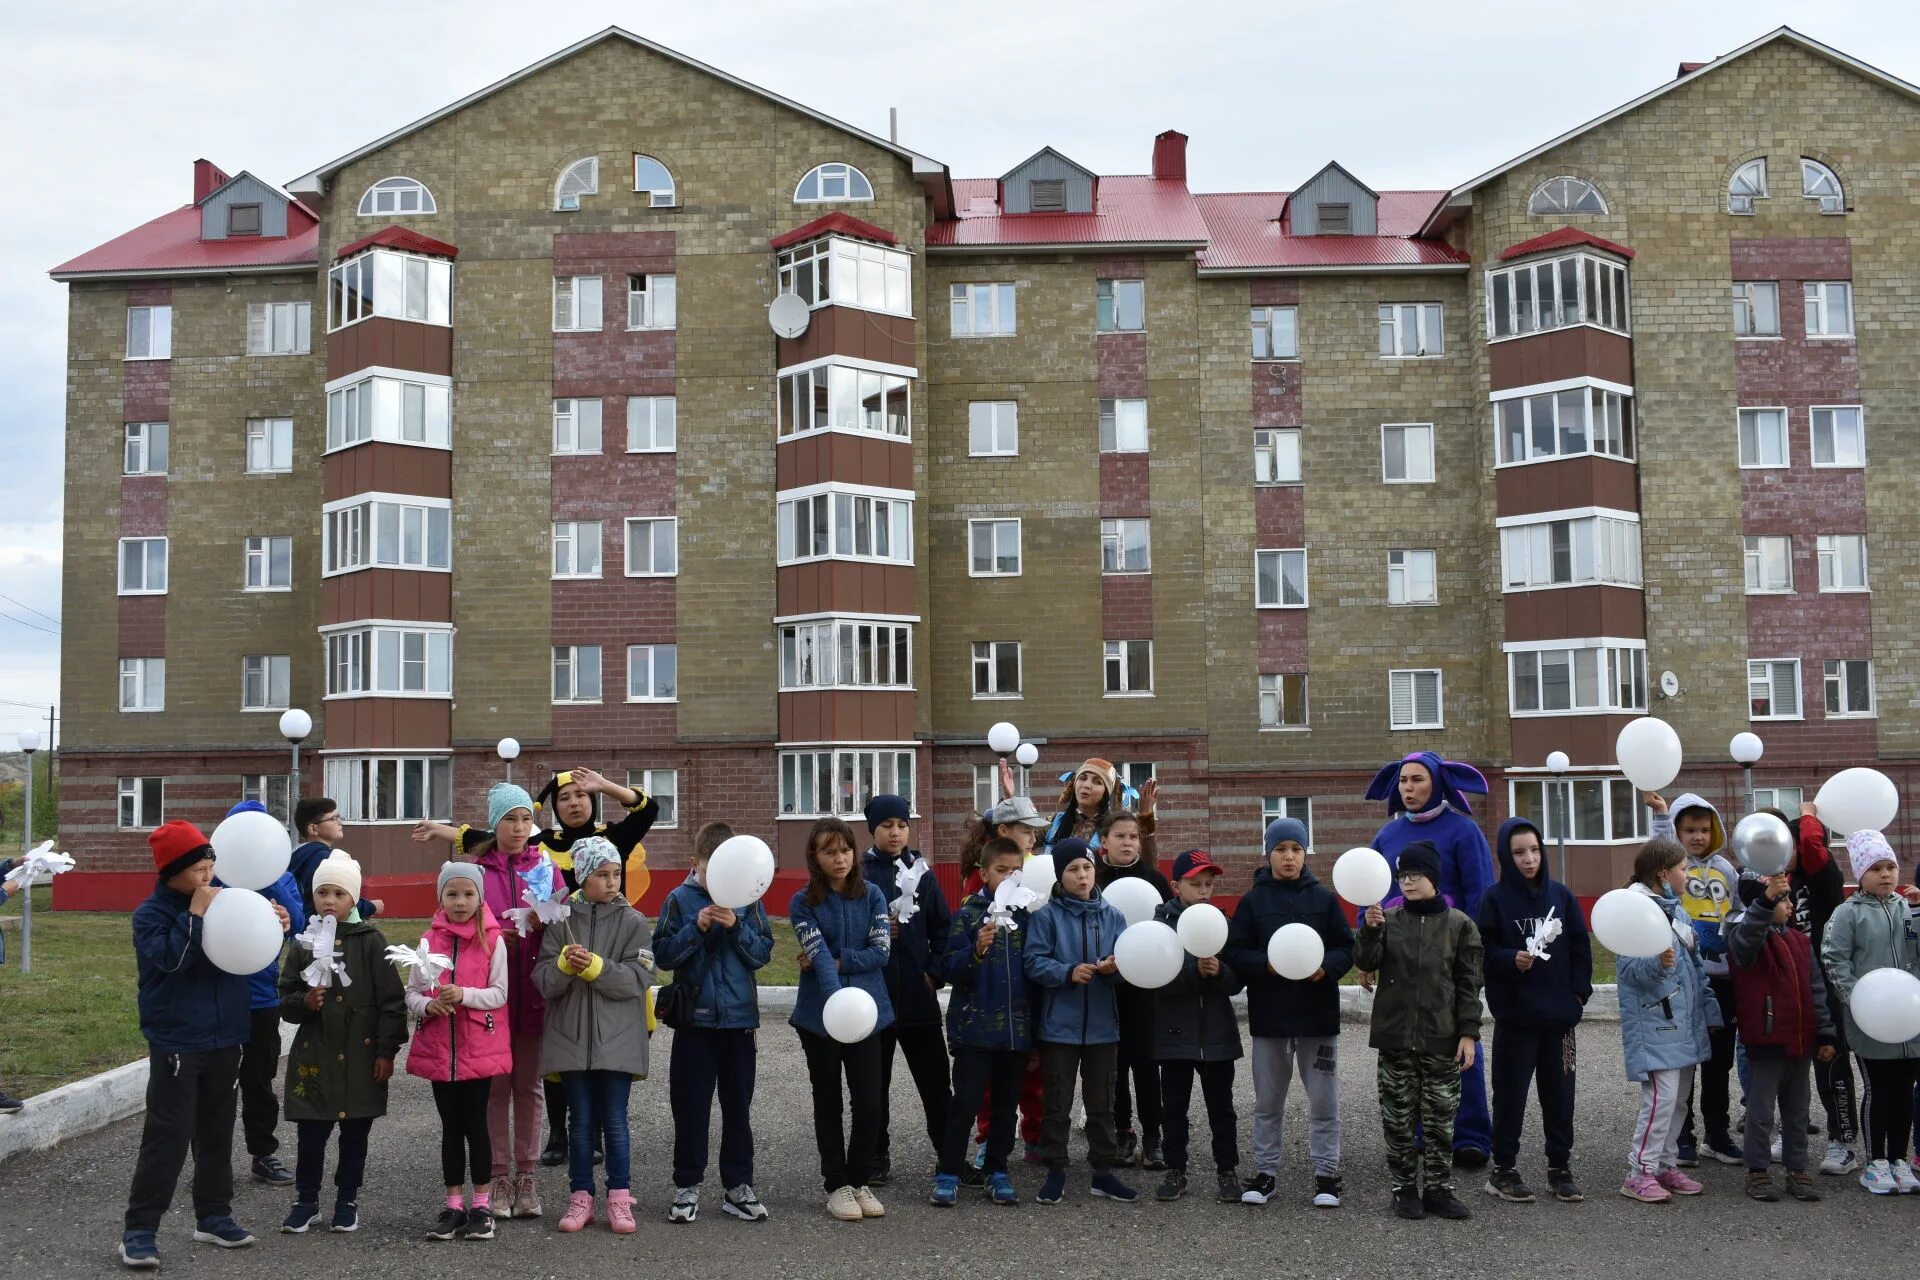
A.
pixel 1027 756
pixel 1746 750
pixel 1557 765
pixel 1003 739
pixel 29 743
pixel 509 751
pixel 295 725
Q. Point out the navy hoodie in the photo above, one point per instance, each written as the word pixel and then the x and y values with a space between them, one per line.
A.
pixel 1554 991
pixel 914 971
pixel 187 1003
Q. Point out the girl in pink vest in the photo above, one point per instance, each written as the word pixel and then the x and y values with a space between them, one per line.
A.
pixel 463 1043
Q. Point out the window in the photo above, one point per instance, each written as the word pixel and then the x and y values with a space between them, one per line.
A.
pixel 832 182
pixel 270 789
pixel 1280 579
pixel 141 803
pixel 1283 701
pixel 836 396
pixel 1829 308
pixel 1557 553
pixel 576 426
pixel 996 668
pixel 279 328
pixel 269 564
pixel 662 786
pixel 1599 677
pixel 1299 808
pixel 1769 560
pixel 652 672
pixel 1817 182
pixel 1849 687
pixel 407 789
pixel 149 333
pixel 410 409
pixel 146 449
pixel 1763 437
pixel 269 445
pixel 1334 219
pixel 143 566
pixel 818 783
pixel 832 654
pixel 243 219
pixel 390 660
pixel 1749 183
pixel 1582 810
pixel 1276 333
pixel 1756 309
pixel 1839 440
pixel 1406 453
pixel 1134 774
pixel 993 548
pixel 1786 799
pixel 653 547
pixel 1413 700
pixel 651 179
pixel 1129 665
pixel 1047 195
pixel 1843 561
pixel 845 526
pixel 576 548
pixel 1126 546
pixel 1565 196
pixel 264 682
pixel 1568 422
pixel 1123 426
pixel 1580 288
pixel 1120 306
pixel 581 178
pixel 576 304
pixel 652 302
pixel 576 673
pixel 981 310
pixel 384 282
pixel 855 273
pixel 1410 578
pixel 652 424
pixel 986 784
pixel 993 428
pixel 1773 689
pixel 396 195
pixel 389 532
pixel 143 684
pixel 1410 329
pixel 1276 456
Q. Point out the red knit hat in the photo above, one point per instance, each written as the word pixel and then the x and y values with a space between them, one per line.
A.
pixel 176 846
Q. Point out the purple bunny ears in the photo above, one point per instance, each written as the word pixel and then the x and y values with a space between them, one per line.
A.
pixel 1451 782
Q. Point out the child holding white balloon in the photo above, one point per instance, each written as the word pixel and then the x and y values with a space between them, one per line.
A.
pixel 1197 1033
pixel 841 924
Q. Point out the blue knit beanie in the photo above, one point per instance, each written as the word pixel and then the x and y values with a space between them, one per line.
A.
pixel 1285 829
pixel 882 808
pixel 502 799
pixel 1066 853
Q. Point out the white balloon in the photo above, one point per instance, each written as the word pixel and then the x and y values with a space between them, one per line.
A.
pixel 1203 930
pixel 1133 897
pixel 1362 876
pixel 251 850
pixel 240 933
pixel 1629 923
pixel 850 1015
pixel 740 872
pixel 1858 800
pixel 1037 875
pixel 1648 751
pixel 1295 951
pixel 1886 1005
pixel 1149 954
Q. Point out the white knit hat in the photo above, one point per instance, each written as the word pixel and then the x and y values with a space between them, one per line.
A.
pixel 340 870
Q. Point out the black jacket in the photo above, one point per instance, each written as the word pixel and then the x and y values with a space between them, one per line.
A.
pixel 913 965
pixel 1555 990
pixel 1136 1005
pixel 1193 1017
pixel 1278 1006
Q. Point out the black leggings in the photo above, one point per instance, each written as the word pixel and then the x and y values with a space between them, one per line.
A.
pixel 1886 1105
pixel 465 1147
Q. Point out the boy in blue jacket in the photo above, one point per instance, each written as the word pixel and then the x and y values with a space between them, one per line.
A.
pixel 1070 955
pixel 260 1058
pixel 989 1025
pixel 195 1018
pixel 1536 1003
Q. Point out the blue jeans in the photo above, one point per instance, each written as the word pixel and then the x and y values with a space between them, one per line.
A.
pixel 597 1100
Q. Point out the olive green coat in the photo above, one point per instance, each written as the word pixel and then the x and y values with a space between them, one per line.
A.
pixel 330 1067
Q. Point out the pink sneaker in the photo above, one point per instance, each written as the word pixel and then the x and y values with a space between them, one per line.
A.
pixel 1645 1188
pixel 620 1212
pixel 579 1211
pixel 1679 1183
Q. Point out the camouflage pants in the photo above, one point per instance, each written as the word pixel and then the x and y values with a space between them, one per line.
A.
pixel 1419 1089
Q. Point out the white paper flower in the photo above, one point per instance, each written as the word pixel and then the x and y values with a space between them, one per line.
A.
pixel 908 883
pixel 35 865
pixel 320 936
pixel 427 964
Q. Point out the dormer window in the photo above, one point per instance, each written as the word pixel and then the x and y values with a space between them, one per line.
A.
pixel 243 219
pixel 651 179
pixel 832 182
pixel 1334 219
pixel 1749 183
pixel 1048 195
pixel 1564 196
pixel 396 195
pixel 581 178
pixel 1817 182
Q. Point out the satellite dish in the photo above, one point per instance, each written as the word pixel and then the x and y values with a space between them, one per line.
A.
pixel 788 316
pixel 1669 684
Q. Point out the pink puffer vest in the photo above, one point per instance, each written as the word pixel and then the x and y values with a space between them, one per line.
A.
pixel 472 1044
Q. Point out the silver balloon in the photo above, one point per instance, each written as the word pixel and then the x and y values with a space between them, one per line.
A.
pixel 1763 844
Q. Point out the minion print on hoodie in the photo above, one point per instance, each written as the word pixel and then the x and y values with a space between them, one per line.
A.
pixel 1710 895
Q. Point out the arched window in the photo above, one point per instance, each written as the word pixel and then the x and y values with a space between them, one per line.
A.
pixel 1817 182
pixel 581 178
pixel 1565 196
pixel 651 179
pixel 1749 184
pixel 397 195
pixel 832 182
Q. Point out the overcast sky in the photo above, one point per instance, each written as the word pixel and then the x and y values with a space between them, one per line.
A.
pixel 110 103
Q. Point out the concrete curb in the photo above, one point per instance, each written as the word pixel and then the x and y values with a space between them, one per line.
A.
pixel 1356 1006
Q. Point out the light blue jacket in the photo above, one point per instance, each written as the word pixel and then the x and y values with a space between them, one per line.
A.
pixel 1066 932
pixel 722 961
pixel 1665 1013
pixel 848 941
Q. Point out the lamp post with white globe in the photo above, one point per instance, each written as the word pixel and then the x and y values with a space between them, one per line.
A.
pixel 1746 750
pixel 295 725
pixel 509 751
pixel 1557 765
pixel 29 743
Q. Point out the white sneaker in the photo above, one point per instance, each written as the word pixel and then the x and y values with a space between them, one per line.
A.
pixel 686 1205
pixel 1879 1179
pixel 1904 1178
pixel 1840 1160
pixel 843 1206
pixel 870 1206
pixel 1773 1151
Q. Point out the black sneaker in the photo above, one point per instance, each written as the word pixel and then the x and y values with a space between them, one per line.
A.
pixel 1327 1192
pixel 479 1224
pixel 972 1177
pixel 1565 1189
pixel 1150 1157
pixel 1442 1203
pixel 1470 1158
pixel 1227 1187
pixel 1407 1203
pixel 1174 1185
pixel 301 1217
pixel 1505 1185
pixel 1258 1189
pixel 1688 1155
pixel 1129 1147
pixel 449 1224
pixel 554 1154
pixel 9 1105
pixel 270 1170
pixel 346 1217
pixel 1724 1150
pixel 882 1172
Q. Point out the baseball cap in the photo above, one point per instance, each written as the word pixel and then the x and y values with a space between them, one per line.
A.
pixel 1018 809
pixel 1192 863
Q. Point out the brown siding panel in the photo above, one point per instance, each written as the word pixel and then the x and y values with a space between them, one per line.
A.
pixel 1568 483
pixel 846 715
pixel 1575 612
pixel 843 586
pixel 384 724
pixel 1585 739
pixel 382 467
pixel 396 344
pixel 402 594
pixel 876 461
pixel 844 331
pixel 1579 352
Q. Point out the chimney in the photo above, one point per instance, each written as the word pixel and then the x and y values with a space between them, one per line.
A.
pixel 1170 156
pixel 207 179
pixel 1688 68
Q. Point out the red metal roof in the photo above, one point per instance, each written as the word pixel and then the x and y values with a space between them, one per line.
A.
pixel 1564 238
pixel 835 224
pixel 399 238
pixel 1128 209
pixel 171 244
pixel 1245 232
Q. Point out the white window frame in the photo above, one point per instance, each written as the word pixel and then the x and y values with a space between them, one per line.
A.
pixel 578 423
pixel 976 310
pixel 648 656
pixel 567 534
pixel 1279 557
pixel 1786 799
pixel 833 171
pixel 662 786
pixel 1299 808
pixel 1614 683
pixel 579 304
pixel 387 282
pixel 351 533
pixel 274 438
pixel 1266 330
pixel 150 329
pixel 1746 308
pixel 257 572
pixel 1124 425
pixel 1602 295
pixel 814 772
pixel 994 557
pixel 1557 198
pixel 143 685
pixel 653 568
pixel 1273 448
pixel 1606 424
pixel 1756 551
pixel 653 301
pixel 1831 558
pixel 850 511
pixel 1624 818
pixel 1108 312
pixel 279 328
pixel 1001 420
pixel 274 790
pixel 1799 695
pixel 583 176
pixel 658 417
pixel 137 455
pixel 274 673
pixel 146 562
pixel 842 272
pixel 1606 539
pixel 1409 432
pixel 986 784
pixel 1813 176
pixel 1836 679
pixel 1820 297
pixel 1832 413
pixel 1411 675
pixel 1742 416
pixel 857 652
pixel 987 657
pixel 396 406
pixel 422 787
pixel 1429 325
pixel 846 385
pixel 136 796
pixel 1116 659
pixel 1116 541
pixel 1278 713
pixel 1407 578
pixel 1745 185
pixel 396 195
pixel 667 197
pixel 358 653
pixel 569 690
